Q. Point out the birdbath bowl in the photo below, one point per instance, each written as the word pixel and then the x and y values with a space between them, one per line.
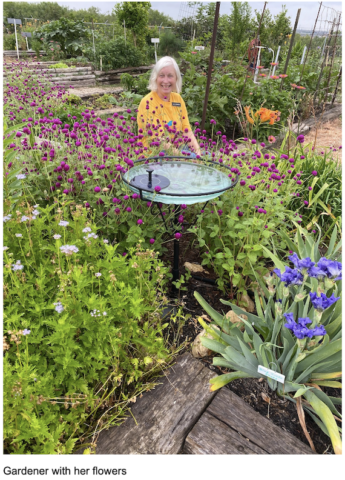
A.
pixel 180 182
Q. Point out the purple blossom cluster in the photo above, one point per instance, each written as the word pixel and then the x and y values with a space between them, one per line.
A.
pixel 322 302
pixel 305 266
pixel 300 329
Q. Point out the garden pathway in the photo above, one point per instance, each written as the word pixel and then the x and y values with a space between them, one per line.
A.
pixel 88 92
pixel 182 416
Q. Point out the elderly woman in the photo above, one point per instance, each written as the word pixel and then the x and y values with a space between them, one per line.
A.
pixel 163 109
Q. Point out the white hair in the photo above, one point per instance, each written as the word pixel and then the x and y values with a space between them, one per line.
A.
pixel 162 63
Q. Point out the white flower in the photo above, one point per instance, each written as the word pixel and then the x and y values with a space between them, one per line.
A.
pixel 98 274
pixel 21 176
pixel 19 235
pixel 87 229
pixel 24 218
pixel 59 307
pixel 36 206
pixel 105 314
pixel 36 212
pixel 17 266
pixel 4 249
pixel 7 218
pixel 90 235
pixel 105 241
pixel 56 236
pixel 63 223
pixel 69 249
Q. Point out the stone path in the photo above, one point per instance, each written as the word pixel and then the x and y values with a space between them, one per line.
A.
pixel 94 91
pixel 182 416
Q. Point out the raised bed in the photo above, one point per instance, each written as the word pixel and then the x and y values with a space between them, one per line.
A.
pixel 114 76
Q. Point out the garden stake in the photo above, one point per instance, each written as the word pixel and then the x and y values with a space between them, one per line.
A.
pixel 290 47
pixel 324 59
pixel 332 61
pixel 311 38
pixel 210 64
pixel 336 87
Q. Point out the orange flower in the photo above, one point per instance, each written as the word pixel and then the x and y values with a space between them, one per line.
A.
pixel 249 118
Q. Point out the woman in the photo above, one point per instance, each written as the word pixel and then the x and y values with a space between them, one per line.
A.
pixel 163 109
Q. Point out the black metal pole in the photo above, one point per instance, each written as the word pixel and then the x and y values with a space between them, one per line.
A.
pixel 176 270
pixel 290 47
pixel 210 64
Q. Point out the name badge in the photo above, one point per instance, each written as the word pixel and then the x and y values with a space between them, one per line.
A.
pixel 176 104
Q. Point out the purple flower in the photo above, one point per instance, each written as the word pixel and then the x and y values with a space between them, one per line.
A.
pixel 157 188
pixel 290 276
pixel 152 241
pixel 332 268
pixel 139 222
pixel 178 235
pixel 242 183
pixel 314 172
pixel 26 332
pixel 240 214
pixel 220 212
pixel 301 264
pixel 300 138
pixel 97 189
pixel 322 302
pixel 319 331
pixel 316 272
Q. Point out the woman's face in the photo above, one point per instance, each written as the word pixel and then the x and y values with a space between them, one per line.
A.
pixel 166 82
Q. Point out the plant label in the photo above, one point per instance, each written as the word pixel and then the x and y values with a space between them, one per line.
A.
pixel 155 40
pixel 271 374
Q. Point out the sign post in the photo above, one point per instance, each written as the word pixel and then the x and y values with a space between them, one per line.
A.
pixel 199 47
pixel 15 21
pixel 27 35
pixel 155 41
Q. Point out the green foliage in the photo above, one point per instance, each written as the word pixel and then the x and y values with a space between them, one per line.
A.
pixel 127 81
pixel 305 362
pixel 136 16
pixel 115 54
pixel 67 34
pixel 59 65
pixel 170 44
pixel 236 28
pixel 9 42
pixel 82 330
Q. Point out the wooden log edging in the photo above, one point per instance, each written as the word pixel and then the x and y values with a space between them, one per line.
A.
pixel 231 426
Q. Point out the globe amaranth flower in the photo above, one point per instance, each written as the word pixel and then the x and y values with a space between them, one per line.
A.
pixel 300 138
pixel 157 188
pixel 139 222
pixel 69 249
pixel 322 302
pixel 290 276
pixel 152 241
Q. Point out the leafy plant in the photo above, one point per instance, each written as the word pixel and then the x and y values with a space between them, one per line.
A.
pixel 82 327
pixel 308 357
pixel 115 53
pixel 69 35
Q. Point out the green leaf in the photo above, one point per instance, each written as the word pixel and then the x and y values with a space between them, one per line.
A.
pixel 275 259
pixel 301 391
pixel 320 192
pixel 221 380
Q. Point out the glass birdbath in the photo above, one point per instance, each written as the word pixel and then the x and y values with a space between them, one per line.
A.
pixel 180 182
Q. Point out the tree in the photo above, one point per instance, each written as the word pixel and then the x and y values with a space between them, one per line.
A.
pixel 281 27
pixel 136 16
pixel 237 26
pixel 158 18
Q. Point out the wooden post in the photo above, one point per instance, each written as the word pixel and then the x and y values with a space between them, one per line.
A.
pixel 311 38
pixel 291 44
pixel 210 64
pixel 336 87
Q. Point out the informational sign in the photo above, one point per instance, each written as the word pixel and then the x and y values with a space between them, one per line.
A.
pixel 26 34
pixel 155 40
pixel 200 47
pixel 14 20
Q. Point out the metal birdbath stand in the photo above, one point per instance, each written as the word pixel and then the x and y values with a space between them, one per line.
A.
pixel 180 181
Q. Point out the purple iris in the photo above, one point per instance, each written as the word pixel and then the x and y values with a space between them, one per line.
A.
pixel 300 329
pixel 301 264
pixel 290 276
pixel 322 302
pixel 332 268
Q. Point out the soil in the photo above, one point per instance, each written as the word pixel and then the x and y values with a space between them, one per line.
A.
pixel 280 411
pixel 329 135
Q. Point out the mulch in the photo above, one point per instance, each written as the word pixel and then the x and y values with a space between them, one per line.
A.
pixel 280 411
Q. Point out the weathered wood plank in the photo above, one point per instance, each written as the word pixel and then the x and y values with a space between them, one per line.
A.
pixel 123 70
pixel 164 415
pixel 239 416
pixel 212 437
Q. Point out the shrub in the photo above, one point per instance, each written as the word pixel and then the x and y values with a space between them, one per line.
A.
pixel 115 54
pixel 82 327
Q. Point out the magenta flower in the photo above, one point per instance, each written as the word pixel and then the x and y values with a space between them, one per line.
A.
pixel 139 222
pixel 240 214
pixel 152 241
pixel 157 188
pixel 314 172
pixel 178 235
pixel 97 189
